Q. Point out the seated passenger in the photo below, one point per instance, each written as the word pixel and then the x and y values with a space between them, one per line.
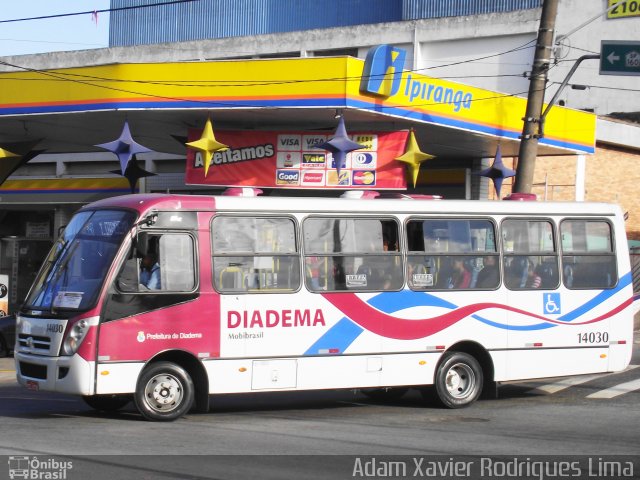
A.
pixel 150 272
pixel 489 276
pixel 533 279
pixel 460 277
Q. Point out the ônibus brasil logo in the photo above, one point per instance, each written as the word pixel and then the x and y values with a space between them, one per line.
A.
pixel 37 468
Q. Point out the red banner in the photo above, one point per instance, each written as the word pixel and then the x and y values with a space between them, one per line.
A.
pixel 289 160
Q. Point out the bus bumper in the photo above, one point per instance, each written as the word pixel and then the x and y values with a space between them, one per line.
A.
pixel 72 375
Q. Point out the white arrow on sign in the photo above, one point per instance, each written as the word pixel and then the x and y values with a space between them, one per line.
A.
pixel 613 58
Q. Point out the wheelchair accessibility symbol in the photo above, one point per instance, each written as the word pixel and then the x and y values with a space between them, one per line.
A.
pixel 551 303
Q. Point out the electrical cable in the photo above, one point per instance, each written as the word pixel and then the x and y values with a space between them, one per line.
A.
pixel 93 12
pixel 214 103
pixel 253 83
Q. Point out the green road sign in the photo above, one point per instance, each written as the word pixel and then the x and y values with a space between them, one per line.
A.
pixel 619 57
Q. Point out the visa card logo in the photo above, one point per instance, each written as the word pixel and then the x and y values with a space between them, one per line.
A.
pixel 383 70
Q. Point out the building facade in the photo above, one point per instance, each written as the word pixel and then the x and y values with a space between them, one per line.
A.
pixel 485 44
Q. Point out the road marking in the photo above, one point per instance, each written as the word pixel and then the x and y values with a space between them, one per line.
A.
pixel 572 381
pixel 617 390
pixel 566 383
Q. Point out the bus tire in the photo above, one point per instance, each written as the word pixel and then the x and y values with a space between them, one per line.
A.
pixel 106 403
pixel 458 381
pixel 164 392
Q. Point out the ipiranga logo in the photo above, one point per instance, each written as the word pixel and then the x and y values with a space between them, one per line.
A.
pixel 383 70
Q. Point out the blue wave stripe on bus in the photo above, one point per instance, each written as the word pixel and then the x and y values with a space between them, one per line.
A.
pixel 390 303
pixel 339 337
pixel 345 332
pixel 598 299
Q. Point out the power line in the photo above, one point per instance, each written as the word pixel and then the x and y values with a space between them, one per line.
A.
pixel 90 12
pixel 57 76
pixel 253 83
pixel 561 38
pixel 603 87
pixel 575 48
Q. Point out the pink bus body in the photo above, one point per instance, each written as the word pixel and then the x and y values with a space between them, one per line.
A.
pixel 271 294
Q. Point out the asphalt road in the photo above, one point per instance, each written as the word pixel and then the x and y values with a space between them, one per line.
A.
pixel 595 415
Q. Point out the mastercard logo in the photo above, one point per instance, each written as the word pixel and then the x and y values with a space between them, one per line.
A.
pixel 364 178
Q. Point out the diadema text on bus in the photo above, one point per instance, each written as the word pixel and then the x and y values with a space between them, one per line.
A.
pixel 166 300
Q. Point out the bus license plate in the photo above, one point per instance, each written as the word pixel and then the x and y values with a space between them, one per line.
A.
pixel 32 385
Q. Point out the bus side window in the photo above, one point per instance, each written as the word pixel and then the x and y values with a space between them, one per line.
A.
pixel 588 257
pixel 173 264
pixel 127 280
pixel 530 255
pixel 176 260
pixel 354 254
pixel 451 253
pixel 255 254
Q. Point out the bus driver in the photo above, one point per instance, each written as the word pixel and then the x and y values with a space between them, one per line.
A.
pixel 150 272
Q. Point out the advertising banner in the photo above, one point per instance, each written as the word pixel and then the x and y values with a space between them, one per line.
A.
pixel 4 295
pixel 289 160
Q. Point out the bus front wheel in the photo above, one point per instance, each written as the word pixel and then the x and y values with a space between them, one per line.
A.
pixel 458 381
pixel 164 392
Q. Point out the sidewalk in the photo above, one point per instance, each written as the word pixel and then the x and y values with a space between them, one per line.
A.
pixel 7 370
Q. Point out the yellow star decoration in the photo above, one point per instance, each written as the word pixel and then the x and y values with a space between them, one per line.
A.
pixel 6 153
pixel 413 157
pixel 208 145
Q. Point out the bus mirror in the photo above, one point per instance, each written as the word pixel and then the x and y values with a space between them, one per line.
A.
pixel 151 219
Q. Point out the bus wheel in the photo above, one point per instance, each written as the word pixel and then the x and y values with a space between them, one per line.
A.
pixel 458 381
pixel 106 403
pixel 164 392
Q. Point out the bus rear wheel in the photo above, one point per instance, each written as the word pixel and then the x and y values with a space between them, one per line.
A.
pixel 458 381
pixel 164 392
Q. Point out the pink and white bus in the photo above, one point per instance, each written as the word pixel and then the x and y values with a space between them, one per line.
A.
pixel 260 294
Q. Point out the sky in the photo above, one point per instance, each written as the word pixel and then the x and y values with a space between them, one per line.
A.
pixel 78 32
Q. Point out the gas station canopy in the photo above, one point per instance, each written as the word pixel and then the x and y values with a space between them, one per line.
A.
pixel 72 110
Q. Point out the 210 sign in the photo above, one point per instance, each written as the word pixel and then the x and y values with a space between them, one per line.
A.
pixel 631 8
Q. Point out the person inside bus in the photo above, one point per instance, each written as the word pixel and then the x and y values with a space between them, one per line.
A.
pixel 460 277
pixel 150 272
pixel 489 276
pixel 533 279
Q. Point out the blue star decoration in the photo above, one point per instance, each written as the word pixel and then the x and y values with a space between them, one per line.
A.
pixel 497 172
pixel 339 145
pixel 134 173
pixel 124 147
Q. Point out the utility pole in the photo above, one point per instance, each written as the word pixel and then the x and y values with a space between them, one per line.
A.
pixel 538 81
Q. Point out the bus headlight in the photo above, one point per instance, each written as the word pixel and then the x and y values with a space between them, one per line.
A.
pixel 74 337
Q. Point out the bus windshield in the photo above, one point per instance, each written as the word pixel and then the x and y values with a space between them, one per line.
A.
pixel 75 269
